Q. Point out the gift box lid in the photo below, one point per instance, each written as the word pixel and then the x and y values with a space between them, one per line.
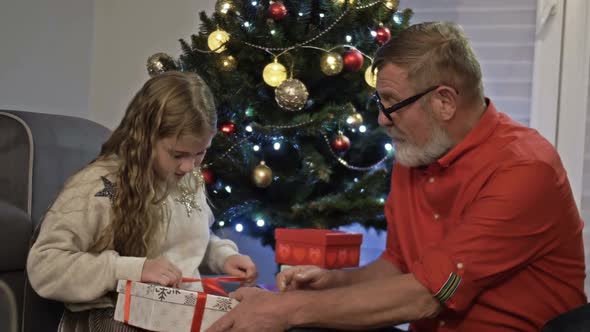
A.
pixel 324 237
pixel 175 295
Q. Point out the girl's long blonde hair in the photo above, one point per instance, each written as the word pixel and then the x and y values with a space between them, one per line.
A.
pixel 172 104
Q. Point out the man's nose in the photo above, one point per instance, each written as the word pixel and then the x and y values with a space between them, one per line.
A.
pixel 383 120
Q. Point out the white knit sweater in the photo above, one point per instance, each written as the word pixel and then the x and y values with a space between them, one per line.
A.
pixel 60 267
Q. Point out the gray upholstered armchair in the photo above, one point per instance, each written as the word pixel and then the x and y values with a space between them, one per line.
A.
pixel 38 152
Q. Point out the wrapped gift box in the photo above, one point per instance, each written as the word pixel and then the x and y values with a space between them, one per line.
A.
pixel 159 308
pixel 321 247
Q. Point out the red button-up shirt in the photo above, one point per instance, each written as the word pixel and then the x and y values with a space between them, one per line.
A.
pixel 491 229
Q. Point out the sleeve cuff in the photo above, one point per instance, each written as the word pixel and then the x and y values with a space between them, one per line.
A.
pixel 445 278
pixel 220 254
pixel 129 268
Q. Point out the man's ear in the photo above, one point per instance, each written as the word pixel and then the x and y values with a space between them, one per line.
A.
pixel 444 103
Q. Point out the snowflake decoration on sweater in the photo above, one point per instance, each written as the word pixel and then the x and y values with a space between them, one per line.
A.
pixel 109 189
pixel 187 198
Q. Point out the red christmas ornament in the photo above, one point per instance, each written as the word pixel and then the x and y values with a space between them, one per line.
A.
pixel 383 35
pixel 228 128
pixel 277 11
pixel 341 143
pixel 208 176
pixel 353 60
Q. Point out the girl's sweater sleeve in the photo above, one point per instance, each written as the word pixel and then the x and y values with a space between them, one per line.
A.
pixel 60 264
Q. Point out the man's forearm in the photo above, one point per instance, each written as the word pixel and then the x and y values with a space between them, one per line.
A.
pixel 376 303
pixel 375 270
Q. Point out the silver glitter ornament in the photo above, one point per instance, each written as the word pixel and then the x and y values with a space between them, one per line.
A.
pixel 291 95
pixel 159 63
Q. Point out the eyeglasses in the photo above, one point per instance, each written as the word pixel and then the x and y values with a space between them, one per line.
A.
pixel 387 111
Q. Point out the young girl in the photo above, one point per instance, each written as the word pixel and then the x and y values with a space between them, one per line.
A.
pixel 138 212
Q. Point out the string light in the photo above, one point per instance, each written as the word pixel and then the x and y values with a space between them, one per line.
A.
pixel 330 27
pixel 285 49
pixel 397 18
pixel 228 189
pixel 260 222
pixel 388 147
pixel 348 38
pixel 381 200
pixel 362 128
pixel 249 128
pixel 256 148
pixel 277 146
pixel 373 33
pixel 239 228
pixel 221 223
pixel 346 164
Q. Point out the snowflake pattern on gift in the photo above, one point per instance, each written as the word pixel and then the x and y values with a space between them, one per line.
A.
pixel 190 299
pixel 222 304
pixel 163 292
pixel 151 289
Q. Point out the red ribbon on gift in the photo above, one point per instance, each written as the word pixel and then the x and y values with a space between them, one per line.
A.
pixel 210 286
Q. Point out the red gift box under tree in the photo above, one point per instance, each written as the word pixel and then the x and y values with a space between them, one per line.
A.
pixel 325 248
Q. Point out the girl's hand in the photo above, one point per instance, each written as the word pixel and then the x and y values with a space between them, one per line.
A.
pixel 241 266
pixel 161 271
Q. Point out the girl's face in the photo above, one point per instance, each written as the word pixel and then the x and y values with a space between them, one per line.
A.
pixel 177 156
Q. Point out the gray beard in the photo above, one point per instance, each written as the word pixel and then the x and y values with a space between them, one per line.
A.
pixel 410 155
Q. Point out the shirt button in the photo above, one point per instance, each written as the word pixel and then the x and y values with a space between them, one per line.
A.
pixel 431 180
pixel 441 323
pixel 459 266
pixel 436 216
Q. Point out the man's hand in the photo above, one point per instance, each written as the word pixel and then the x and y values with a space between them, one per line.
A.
pixel 306 277
pixel 258 311
pixel 241 266
pixel 160 270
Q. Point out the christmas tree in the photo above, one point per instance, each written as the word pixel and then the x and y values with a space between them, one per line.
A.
pixel 299 144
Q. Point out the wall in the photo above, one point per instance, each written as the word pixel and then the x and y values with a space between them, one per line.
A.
pixel 125 34
pixel 46 55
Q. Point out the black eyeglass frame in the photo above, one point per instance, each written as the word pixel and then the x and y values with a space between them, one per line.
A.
pixel 387 111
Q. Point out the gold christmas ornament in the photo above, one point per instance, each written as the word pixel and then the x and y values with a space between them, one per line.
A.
pixel 262 175
pixel 331 63
pixel 371 77
pixel 227 62
pixel 291 95
pixel 342 2
pixel 224 6
pixel 391 4
pixel 274 73
pixel 356 119
pixel 160 63
pixel 216 40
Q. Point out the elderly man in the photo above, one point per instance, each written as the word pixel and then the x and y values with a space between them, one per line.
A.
pixel 483 231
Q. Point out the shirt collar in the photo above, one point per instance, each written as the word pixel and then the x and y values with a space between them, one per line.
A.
pixel 478 134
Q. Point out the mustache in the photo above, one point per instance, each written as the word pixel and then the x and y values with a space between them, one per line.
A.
pixel 394 133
